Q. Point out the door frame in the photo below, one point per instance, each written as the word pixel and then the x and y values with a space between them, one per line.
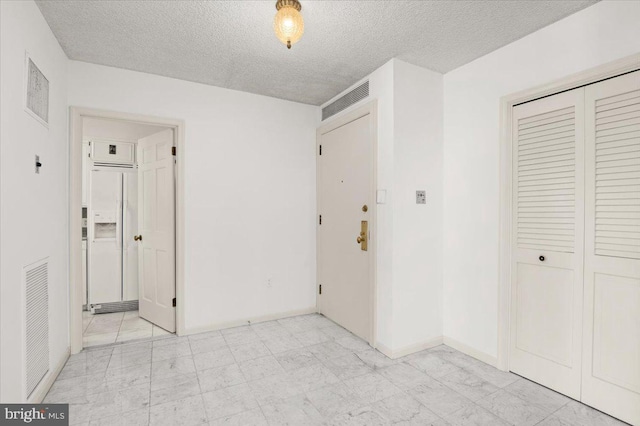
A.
pixel 76 117
pixel 589 76
pixel 371 109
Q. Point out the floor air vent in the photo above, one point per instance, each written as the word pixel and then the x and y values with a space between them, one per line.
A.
pixel 36 279
pixel 105 308
pixel 347 100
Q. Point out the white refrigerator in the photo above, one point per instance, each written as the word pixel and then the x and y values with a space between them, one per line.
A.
pixel 113 253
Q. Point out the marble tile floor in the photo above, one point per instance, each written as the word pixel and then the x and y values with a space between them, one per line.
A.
pixel 303 370
pixel 117 327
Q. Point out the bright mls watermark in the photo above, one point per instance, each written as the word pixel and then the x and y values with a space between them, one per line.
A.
pixel 35 414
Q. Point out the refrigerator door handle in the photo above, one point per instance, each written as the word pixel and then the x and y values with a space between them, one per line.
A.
pixel 125 237
pixel 119 225
pixel 119 216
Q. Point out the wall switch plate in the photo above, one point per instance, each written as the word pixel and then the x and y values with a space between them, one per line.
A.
pixel 421 197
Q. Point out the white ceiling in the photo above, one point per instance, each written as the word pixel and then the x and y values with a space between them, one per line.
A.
pixel 231 43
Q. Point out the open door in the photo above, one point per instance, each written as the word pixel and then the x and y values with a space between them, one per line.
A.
pixel 156 225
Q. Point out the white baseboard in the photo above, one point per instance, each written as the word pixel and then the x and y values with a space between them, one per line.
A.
pixel 254 320
pixel 408 350
pixel 43 388
pixel 468 350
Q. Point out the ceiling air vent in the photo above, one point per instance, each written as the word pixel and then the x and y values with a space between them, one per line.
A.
pixel 37 96
pixel 347 100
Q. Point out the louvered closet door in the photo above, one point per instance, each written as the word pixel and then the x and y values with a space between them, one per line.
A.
pixel 611 380
pixel 547 245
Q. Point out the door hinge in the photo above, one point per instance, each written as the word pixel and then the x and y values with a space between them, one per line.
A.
pixel 173 150
pixel 320 289
pixel 174 302
pixel 320 149
pixel 320 221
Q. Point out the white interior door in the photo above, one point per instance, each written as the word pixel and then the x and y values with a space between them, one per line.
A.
pixel 156 226
pixel 344 189
pixel 547 246
pixel 611 356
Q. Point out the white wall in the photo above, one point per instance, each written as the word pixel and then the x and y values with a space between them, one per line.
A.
pixel 34 207
pixel 250 189
pixel 417 229
pixel 114 129
pixel 599 34
pixel 409 237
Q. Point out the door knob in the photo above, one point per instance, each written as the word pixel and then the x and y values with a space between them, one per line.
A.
pixel 137 238
pixel 361 238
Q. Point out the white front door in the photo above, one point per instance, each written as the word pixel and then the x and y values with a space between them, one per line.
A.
pixel 547 246
pixel 345 210
pixel 156 227
pixel 611 356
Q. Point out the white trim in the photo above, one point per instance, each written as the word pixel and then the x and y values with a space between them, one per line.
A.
pixel 76 114
pixel 38 395
pixel 468 350
pixel 339 120
pixel 589 76
pixel 410 349
pixel 253 320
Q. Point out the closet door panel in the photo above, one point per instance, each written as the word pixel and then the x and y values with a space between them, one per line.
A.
pixel 611 354
pixel 548 197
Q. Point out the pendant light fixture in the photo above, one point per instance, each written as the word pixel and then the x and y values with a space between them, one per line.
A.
pixel 288 23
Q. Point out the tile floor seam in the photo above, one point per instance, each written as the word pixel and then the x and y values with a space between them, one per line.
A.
pixel 204 407
pixel 496 414
pixel 568 399
pixel 559 408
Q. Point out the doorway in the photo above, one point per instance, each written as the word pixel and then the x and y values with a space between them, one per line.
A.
pixel 346 221
pixel 125 187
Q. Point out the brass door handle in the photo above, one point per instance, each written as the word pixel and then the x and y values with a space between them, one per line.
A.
pixel 137 238
pixel 362 238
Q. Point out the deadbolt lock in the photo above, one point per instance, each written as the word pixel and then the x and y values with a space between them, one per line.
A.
pixel 137 238
pixel 365 208
pixel 364 232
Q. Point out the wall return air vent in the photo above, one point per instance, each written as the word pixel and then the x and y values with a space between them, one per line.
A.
pixel 346 101
pixel 36 284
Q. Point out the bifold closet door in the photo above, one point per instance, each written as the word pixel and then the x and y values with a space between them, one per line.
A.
pixel 611 355
pixel 547 244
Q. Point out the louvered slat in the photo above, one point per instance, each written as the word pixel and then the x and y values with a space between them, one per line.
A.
pixel 37 323
pixel 546 181
pixel 617 174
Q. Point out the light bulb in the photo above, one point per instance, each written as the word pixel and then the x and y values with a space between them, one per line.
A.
pixel 288 23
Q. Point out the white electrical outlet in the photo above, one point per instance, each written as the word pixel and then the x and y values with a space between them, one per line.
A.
pixel 421 197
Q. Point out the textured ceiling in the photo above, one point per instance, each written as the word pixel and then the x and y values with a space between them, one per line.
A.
pixel 231 43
